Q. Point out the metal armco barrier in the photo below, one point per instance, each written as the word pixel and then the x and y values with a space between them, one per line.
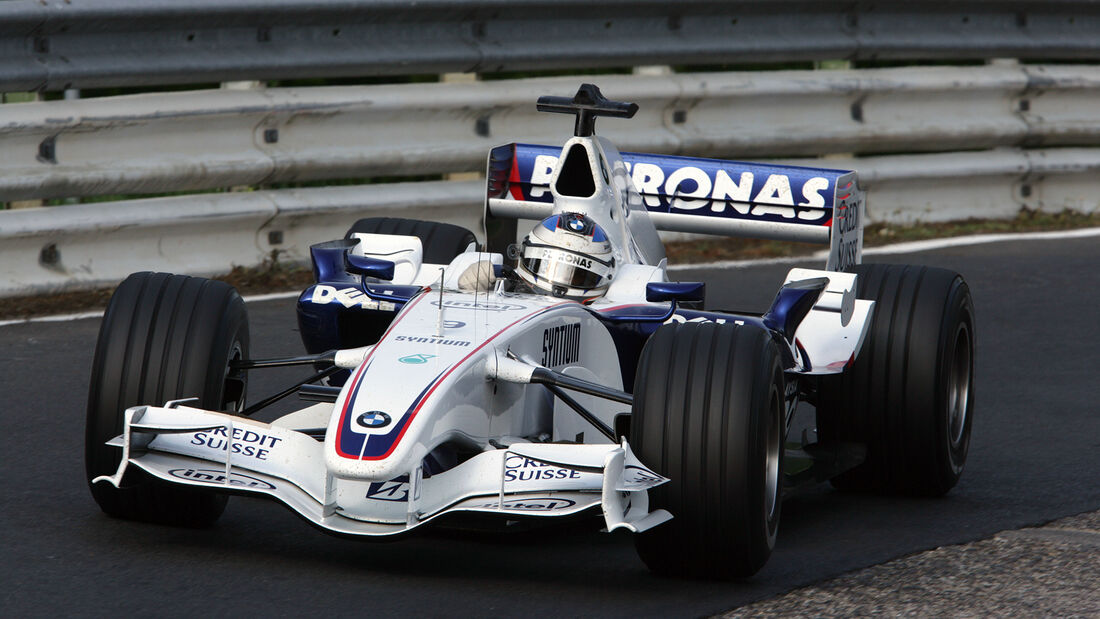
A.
pixel 93 244
pixel 982 140
pixel 207 139
pixel 57 44
pixel 48 249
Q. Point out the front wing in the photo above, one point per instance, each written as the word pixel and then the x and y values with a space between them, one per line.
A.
pixel 194 447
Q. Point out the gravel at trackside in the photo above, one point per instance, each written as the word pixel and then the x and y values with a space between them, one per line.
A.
pixel 1050 571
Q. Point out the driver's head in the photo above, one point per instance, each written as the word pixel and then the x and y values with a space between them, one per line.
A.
pixel 567 256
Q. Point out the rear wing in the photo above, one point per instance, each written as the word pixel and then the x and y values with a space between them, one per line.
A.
pixel 705 196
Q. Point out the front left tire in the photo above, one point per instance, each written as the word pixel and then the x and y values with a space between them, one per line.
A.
pixel 709 415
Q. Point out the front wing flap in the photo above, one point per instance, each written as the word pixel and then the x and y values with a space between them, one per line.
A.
pixel 194 447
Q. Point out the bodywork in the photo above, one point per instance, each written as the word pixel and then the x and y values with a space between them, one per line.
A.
pixel 438 410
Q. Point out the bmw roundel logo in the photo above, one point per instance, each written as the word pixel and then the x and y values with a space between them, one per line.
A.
pixel 576 224
pixel 374 419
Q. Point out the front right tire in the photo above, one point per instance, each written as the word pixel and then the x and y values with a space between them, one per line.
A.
pixel 163 337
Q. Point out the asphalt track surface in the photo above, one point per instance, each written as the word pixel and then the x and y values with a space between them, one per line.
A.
pixel 1034 457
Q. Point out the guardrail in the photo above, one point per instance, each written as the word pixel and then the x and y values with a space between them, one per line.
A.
pixel 985 140
pixel 48 249
pixel 93 244
pixel 195 140
pixel 58 44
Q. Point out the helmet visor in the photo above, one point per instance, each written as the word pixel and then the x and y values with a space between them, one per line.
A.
pixel 565 268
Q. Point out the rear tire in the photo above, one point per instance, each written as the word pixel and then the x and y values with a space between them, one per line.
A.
pixel 708 414
pixel 163 337
pixel 909 395
pixel 442 242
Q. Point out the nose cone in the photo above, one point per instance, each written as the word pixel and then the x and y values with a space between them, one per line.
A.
pixel 417 384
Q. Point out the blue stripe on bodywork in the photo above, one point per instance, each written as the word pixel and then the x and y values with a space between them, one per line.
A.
pixel 351 442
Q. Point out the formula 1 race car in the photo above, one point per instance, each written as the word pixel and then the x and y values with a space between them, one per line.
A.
pixel 560 375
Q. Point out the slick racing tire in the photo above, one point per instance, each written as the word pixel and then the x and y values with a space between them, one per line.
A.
pixel 909 395
pixel 163 337
pixel 709 415
pixel 442 242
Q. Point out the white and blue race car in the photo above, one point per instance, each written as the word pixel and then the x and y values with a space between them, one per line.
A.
pixel 558 376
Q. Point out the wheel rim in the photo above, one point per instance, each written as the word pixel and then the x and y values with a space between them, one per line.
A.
pixel 771 461
pixel 958 387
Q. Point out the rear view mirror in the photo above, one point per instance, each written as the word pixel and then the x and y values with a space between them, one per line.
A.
pixel 675 291
pixel 370 267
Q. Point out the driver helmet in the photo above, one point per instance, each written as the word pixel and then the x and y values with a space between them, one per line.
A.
pixel 567 256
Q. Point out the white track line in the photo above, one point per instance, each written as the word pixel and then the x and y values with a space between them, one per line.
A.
pixel 899 248
pixel 98 313
pixel 979 239
pixel 903 248
pixel 54 318
pixel 272 296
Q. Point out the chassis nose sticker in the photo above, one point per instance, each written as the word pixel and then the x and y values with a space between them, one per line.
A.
pixel 374 420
